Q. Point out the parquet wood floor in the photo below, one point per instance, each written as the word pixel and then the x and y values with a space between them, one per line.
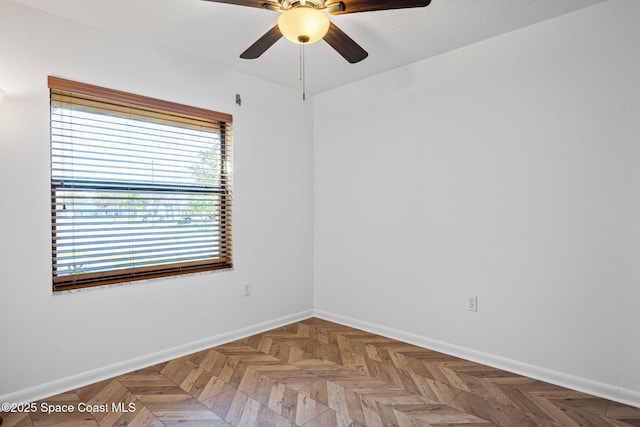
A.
pixel 315 373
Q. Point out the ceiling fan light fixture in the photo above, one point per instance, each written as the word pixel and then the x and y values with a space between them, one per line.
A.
pixel 303 25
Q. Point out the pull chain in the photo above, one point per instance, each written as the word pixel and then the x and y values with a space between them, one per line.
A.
pixel 302 77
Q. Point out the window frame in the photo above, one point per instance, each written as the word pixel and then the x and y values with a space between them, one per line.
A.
pixel 223 122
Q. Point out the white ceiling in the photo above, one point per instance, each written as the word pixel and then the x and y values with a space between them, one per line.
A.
pixel 220 32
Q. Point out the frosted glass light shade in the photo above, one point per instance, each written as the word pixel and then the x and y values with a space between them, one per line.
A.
pixel 303 25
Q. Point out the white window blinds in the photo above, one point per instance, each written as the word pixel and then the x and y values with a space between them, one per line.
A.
pixel 140 188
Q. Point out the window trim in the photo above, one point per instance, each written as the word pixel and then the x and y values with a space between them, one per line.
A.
pixel 68 282
pixel 144 101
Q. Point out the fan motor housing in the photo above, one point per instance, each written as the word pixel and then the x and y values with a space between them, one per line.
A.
pixel 317 4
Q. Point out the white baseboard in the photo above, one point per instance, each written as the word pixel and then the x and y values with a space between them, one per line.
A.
pixel 606 391
pixel 80 380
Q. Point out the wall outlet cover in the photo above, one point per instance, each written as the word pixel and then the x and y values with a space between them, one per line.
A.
pixel 472 303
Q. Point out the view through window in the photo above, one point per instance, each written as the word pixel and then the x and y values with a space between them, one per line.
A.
pixel 140 188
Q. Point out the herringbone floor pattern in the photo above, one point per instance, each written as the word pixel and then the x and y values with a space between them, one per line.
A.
pixel 315 373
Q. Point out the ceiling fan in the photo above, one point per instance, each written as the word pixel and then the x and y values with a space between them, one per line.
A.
pixel 305 22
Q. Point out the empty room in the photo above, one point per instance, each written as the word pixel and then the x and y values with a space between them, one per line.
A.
pixel 425 213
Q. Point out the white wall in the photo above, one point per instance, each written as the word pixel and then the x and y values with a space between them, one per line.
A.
pixel 52 342
pixel 508 170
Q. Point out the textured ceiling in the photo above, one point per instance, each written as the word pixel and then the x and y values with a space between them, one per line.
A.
pixel 220 32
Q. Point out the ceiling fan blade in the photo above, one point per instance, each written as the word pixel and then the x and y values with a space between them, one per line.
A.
pixel 344 45
pixel 353 6
pixel 261 4
pixel 262 44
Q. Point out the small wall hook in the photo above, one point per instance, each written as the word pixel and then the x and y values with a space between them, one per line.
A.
pixel 238 100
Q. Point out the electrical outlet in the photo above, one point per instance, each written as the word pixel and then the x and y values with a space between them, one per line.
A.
pixel 472 303
pixel 246 289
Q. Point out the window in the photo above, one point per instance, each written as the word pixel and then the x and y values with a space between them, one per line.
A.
pixel 140 188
